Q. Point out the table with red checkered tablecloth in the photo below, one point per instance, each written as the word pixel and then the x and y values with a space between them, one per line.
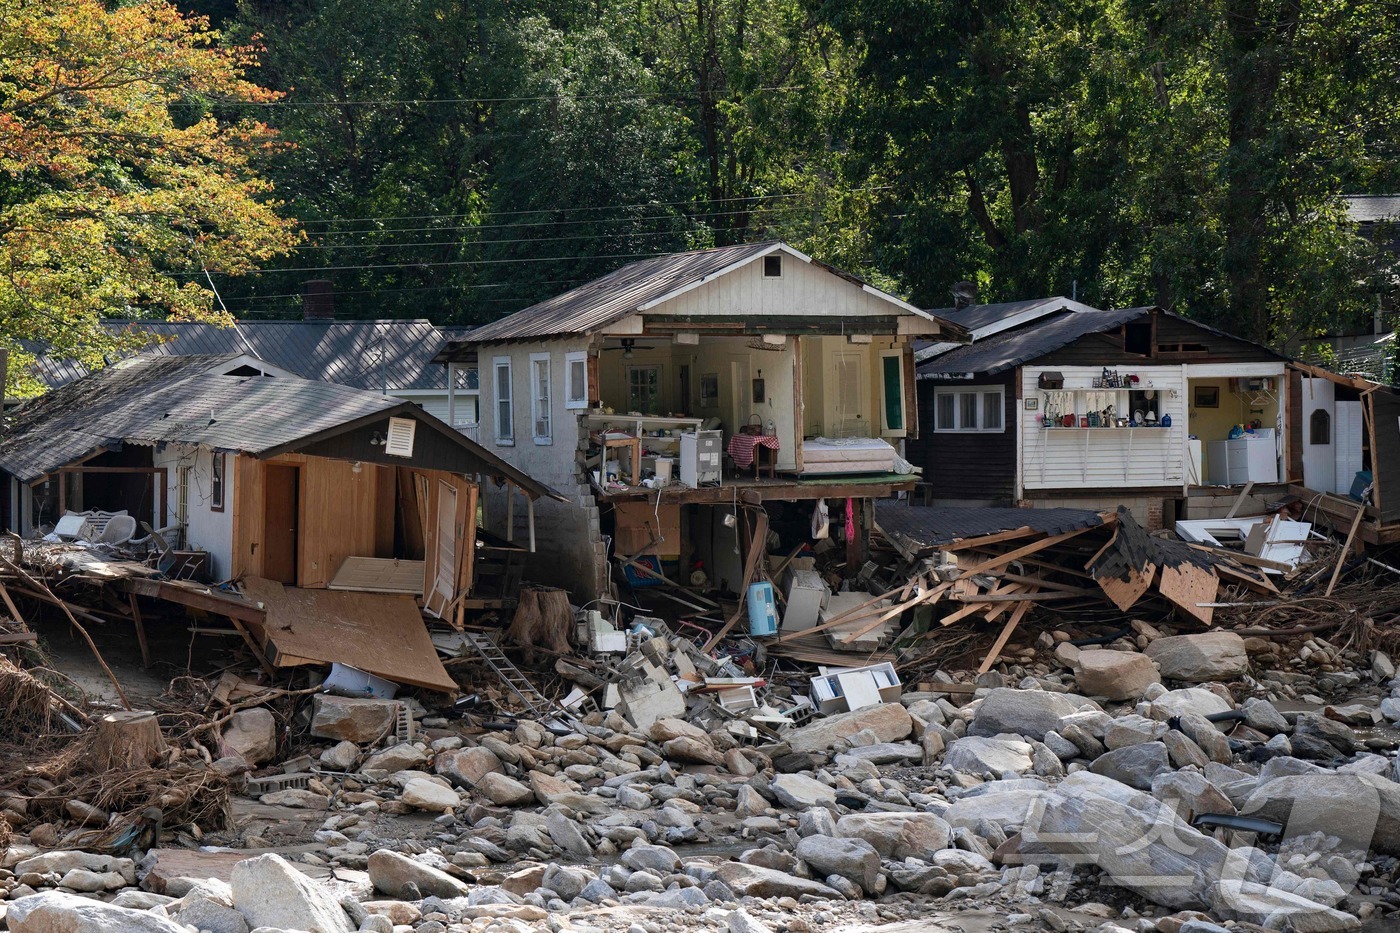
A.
pixel 742 446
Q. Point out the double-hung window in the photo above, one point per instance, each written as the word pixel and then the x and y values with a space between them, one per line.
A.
pixel 539 398
pixel 505 409
pixel 576 379
pixel 965 410
pixel 644 389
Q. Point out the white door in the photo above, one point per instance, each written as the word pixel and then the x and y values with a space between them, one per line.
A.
pixel 851 388
pixel 445 580
pixel 1347 427
pixel 740 395
pixel 1319 434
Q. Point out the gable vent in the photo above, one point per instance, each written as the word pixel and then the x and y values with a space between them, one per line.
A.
pixel 399 443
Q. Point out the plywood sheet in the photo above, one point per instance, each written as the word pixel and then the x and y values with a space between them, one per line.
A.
pixel 1125 593
pixel 379 575
pixel 376 632
pixel 1186 586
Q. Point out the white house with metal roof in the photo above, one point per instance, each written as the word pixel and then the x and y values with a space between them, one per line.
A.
pixel 800 374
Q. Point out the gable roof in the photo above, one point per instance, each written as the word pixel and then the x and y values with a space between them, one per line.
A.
pixel 984 320
pixel 636 287
pixel 186 399
pixel 1013 348
pixel 361 354
pixel 1372 208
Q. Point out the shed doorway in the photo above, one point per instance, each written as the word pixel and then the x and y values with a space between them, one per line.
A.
pixel 281 495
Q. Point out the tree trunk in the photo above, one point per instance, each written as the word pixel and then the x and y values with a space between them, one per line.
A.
pixel 126 742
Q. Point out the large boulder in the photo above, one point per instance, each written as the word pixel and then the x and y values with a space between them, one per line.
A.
pixel 1134 765
pixel 1030 713
pixel 1363 810
pixel 1275 909
pixel 854 859
pixel 800 792
pixel 978 754
pixel 898 835
pixel 1009 809
pixel 757 881
pixel 271 893
pixel 351 719
pixel 402 757
pixel 1200 658
pixel 424 794
pixel 1137 841
pixel 398 876
pixel 504 791
pixel 465 767
pixel 208 907
pixel 60 912
pixel 1115 675
pixel 251 734
pixel 1188 700
pixel 889 722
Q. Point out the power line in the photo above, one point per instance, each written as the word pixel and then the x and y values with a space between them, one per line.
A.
pixel 454 262
pixel 416 288
pixel 593 207
pixel 419 101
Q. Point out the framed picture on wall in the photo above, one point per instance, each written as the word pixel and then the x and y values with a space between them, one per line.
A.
pixel 759 392
pixel 1206 397
pixel 1032 404
pixel 709 390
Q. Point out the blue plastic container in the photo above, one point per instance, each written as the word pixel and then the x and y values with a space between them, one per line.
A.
pixel 763 610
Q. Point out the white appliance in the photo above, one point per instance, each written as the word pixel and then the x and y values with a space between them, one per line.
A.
pixel 806 595
pixel 1239 460
pixel 1347 446
pixel 700 458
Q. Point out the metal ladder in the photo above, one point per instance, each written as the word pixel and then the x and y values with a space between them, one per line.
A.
pixel 538 705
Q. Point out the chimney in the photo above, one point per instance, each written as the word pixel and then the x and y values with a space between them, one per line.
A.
pixel 964 294
pixel 318 301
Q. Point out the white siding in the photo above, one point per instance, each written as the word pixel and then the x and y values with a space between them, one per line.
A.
pixel 801 291
pixel 1103 458
pixel 207 530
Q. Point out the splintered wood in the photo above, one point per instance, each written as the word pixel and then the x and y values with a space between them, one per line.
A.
pixel 1000 578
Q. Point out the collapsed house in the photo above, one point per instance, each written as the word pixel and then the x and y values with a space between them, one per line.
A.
pixel 666 396
pixel 159 477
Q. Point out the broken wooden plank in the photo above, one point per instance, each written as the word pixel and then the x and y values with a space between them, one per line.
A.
pixel 1004 637
pixel 1189 588
pixel 1346 549
pixel 1125 593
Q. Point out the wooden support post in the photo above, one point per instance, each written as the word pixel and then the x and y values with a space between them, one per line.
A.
pixel 140 630
pixel 530 508
pixel 1346 549
pixel 1003 638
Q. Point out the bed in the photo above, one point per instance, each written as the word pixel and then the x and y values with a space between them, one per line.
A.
pixel 823 455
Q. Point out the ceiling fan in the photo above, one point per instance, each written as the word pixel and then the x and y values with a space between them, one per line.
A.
pixel 628 345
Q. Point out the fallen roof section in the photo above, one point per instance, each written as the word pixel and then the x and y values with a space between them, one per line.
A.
pixel 922 529
pixel 378 633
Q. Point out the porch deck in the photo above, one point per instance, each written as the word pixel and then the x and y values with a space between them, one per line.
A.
pixel 752 491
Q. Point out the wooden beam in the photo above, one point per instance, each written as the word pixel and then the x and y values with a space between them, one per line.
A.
pixel 1346 549
pixel 140 630
pixel 1004 637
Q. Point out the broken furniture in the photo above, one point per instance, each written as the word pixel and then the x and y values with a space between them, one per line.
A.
pixel 611 440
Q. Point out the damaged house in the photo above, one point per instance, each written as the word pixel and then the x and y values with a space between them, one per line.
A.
pixel 225 468
pixel 1055 403
pixel 668 395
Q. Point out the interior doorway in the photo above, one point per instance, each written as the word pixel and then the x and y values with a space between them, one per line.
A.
pixel 281 493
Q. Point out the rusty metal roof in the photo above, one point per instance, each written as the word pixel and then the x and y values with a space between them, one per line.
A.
pixel 631 289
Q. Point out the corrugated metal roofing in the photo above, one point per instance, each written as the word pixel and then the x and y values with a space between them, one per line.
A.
pixel 977 317
pixel 614 296
pixel 361 354
pixel 1372 208
pixel 177 399
pixel 1012 348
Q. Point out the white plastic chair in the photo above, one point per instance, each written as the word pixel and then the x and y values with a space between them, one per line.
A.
pixel 119 530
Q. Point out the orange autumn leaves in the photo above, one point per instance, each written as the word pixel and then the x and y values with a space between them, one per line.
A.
pixel 126 169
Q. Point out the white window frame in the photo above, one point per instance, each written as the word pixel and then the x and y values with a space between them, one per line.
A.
pixel 956 392
pixel 577 358
pixel 505 426
pixel 885 430
pixel 660 384
pixel 540 404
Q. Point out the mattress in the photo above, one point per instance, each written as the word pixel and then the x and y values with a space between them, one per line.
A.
pixel 848 455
